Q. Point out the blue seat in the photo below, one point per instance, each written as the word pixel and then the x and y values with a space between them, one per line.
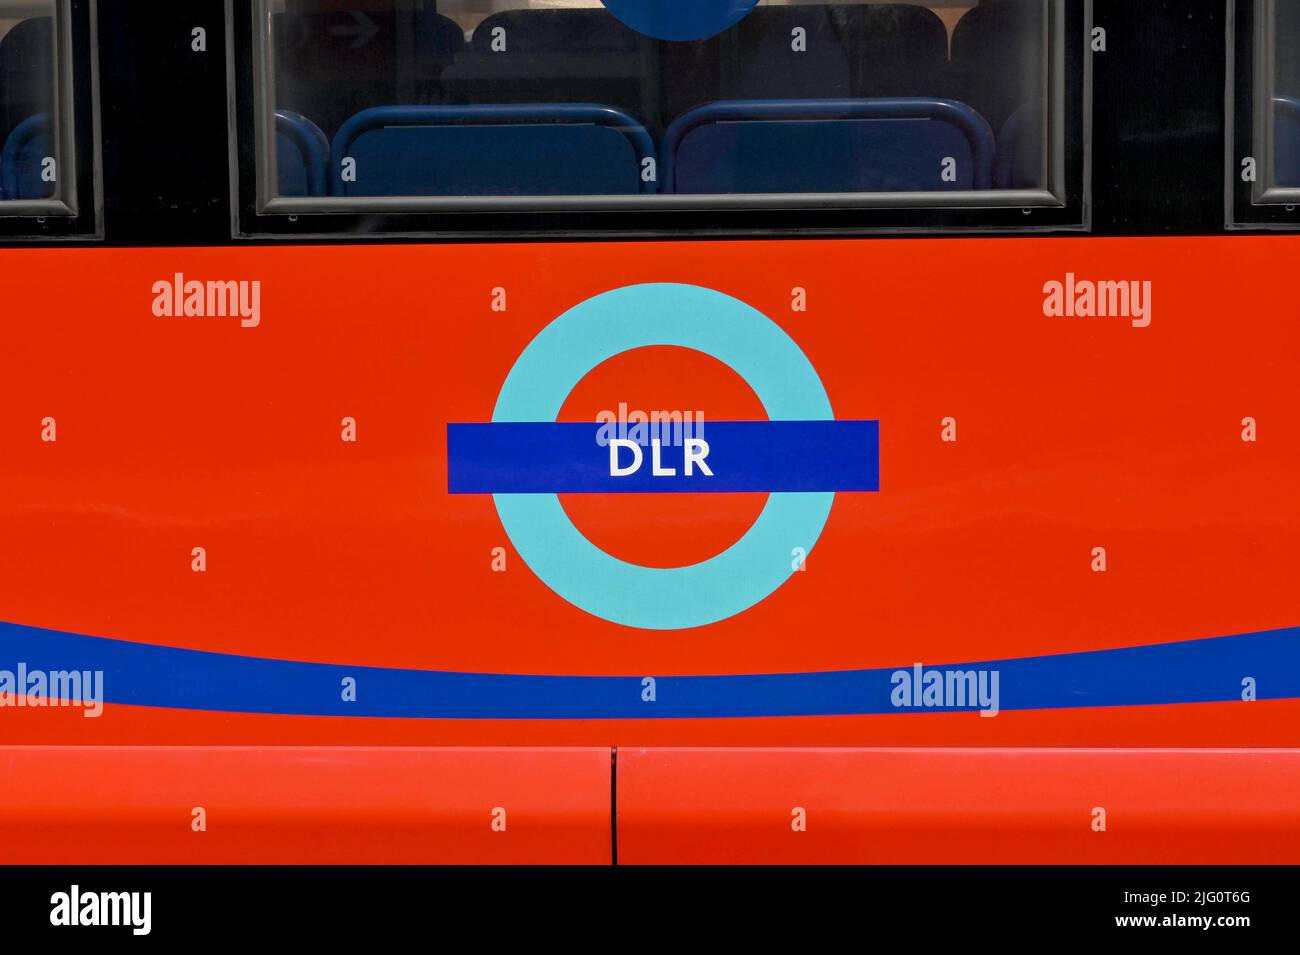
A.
pixel 1019 160
pixel 903 51
pixel 26 71
pixel 836 145
pixel 524 149
pixel 20 160
pixel 860 50
pixel 1286 51
pixel 578 55
pixel 763 63
pixel 561 31
pixel 1286 141
pixel 301 155
pixel 846 51
pixel 997 56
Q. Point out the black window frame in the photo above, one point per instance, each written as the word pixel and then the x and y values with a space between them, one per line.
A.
pixel 1064 206
pixel 76 209
pixel 1257 204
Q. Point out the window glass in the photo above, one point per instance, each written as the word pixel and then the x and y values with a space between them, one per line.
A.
pixel 473 98
pixel 29 156
pixel 1285 38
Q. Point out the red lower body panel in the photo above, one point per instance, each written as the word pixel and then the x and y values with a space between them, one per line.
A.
pixel 958 806
pixel 304 805
pixel 372 805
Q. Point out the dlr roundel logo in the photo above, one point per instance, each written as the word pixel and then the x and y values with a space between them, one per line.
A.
pixel 801 456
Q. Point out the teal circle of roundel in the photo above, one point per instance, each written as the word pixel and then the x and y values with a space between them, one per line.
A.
pixel 638 316
pixel 680 19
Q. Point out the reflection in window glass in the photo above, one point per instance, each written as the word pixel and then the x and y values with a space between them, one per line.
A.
pixel 29 166
pixel 1286 93
pixel 562 97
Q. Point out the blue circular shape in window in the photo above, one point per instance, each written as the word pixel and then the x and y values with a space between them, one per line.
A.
pixel 680 19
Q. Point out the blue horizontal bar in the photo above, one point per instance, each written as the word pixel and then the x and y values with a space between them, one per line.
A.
pixel 550 457
pixel 142 674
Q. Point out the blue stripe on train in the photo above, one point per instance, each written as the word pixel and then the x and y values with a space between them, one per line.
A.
pixel 140 674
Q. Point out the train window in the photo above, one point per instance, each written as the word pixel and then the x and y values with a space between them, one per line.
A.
pixel 1264 114
pixel 410 105
pixel 37 174
pixel 1283 129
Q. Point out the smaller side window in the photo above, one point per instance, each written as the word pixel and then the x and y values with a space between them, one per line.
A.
pixel 1264 112
pixel 37 175
pixel 30 166
pixel 1283 95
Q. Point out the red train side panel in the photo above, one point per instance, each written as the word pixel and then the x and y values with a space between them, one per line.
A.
pixel 984 493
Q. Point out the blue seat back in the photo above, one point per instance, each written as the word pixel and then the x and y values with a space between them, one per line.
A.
pixel 528 149
pixel 997 56
pixel 869 145
pixel 811 51
pixel 1286 51
pixel 1019 160
pixel 1286 141
pixel 858 50
pixel 902 51
pixel 562 31
pixel 21 159
pixel 561 56
pixel 26 72
pixel 768 66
